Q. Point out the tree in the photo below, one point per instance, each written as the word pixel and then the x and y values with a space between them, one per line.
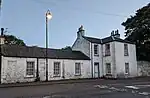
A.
pixel 11 39
pixel 138 30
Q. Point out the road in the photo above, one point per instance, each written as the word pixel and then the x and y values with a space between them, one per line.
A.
pixel 96 89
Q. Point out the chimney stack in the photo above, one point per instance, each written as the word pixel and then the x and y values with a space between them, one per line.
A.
pixel 2 38
pixel 2 31
pixel 115 33
pixel 80 32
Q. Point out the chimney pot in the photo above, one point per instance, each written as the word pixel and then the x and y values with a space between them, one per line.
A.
pixel 80 32
pixel 2 31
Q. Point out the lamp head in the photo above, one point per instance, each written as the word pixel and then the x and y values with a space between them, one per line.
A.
pixel 48 15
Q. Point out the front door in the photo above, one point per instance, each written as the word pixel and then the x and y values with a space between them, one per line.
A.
pixel 96 70
pixel 11 71
pixel 42 72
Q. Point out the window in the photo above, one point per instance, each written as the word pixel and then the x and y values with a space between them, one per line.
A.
pixel 95 49
pixel 108 68
pixel 77 69
pixel 30 69
pixel 126 50
pixel 127 68
pixel 56 68
pixel 12 63
pixel 107 50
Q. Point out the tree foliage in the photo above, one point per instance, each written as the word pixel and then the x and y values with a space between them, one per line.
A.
pixel 138 30
pixel 11 39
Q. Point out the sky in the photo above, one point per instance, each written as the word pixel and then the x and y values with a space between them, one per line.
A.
pixel 26 19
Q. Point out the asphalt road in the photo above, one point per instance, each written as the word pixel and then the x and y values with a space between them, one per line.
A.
pixel 96 89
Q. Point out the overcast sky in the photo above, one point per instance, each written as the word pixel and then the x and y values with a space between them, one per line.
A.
pixel 26 19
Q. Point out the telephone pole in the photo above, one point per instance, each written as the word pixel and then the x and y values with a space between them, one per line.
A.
pixel 0 10
pixel 0 6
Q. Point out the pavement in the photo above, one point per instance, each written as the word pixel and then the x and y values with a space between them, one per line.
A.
pixel 95 88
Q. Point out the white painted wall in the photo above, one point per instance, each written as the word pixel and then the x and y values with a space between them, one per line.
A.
pixel 109 59
pixel 121 59
pixel 97 59
pixel 68 69
pixel 82 45
pixel 17 73
pixel 116 59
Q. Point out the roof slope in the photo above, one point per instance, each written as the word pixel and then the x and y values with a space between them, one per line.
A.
pixel 92 39
pixel 37 52
pixel 106 40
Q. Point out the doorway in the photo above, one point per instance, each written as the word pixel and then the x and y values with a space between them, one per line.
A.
pixel 96 70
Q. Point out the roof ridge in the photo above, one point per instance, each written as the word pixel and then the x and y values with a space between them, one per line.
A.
pixel 92 37
pixel 28 46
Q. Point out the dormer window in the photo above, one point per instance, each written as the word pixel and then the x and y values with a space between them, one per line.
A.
pixel 95 49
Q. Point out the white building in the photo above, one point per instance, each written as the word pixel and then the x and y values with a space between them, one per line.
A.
pixel 88 58
pixel 25 64
pixel 110 56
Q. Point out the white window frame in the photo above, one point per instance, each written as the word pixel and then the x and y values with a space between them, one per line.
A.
pixel 126 52
pixel 127 71
pixel 97 51
pixel 57 69
pixel 77 68
pixel 108 70
pixel 32 67
pixel 107 51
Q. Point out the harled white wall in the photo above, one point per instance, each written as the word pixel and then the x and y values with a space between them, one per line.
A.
pixel 82 45
pixel 17 72
pixel 121 60
pixel 97 59
pixel 109 59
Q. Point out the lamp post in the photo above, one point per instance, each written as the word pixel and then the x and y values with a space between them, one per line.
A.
pixel 48 17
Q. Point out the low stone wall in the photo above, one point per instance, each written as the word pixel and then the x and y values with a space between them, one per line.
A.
pixel 143 68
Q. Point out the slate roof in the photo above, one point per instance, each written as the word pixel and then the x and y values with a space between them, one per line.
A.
pixel 38 52
pixel 106 40
pixel 92 39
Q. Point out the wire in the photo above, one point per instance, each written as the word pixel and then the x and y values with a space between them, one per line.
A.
pixel 78 9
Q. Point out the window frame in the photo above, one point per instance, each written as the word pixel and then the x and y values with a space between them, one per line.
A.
pixel 107 51
pixel 78 69
pixel 108 71
pixel 126 50
pixel 56 70
pixel 127 71
pixel 97 47
pixel 32 63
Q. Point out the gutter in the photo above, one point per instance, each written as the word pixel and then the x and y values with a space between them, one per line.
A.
pixel 37 71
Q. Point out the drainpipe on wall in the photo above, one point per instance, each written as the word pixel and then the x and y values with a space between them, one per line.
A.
pixel 114 61
pixel 102 61
pixel 0 63
pixel 63 70
pixel 2 41
pixel 91 60
pixel 37 71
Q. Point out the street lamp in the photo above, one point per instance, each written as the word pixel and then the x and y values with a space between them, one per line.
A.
pixel 48 17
